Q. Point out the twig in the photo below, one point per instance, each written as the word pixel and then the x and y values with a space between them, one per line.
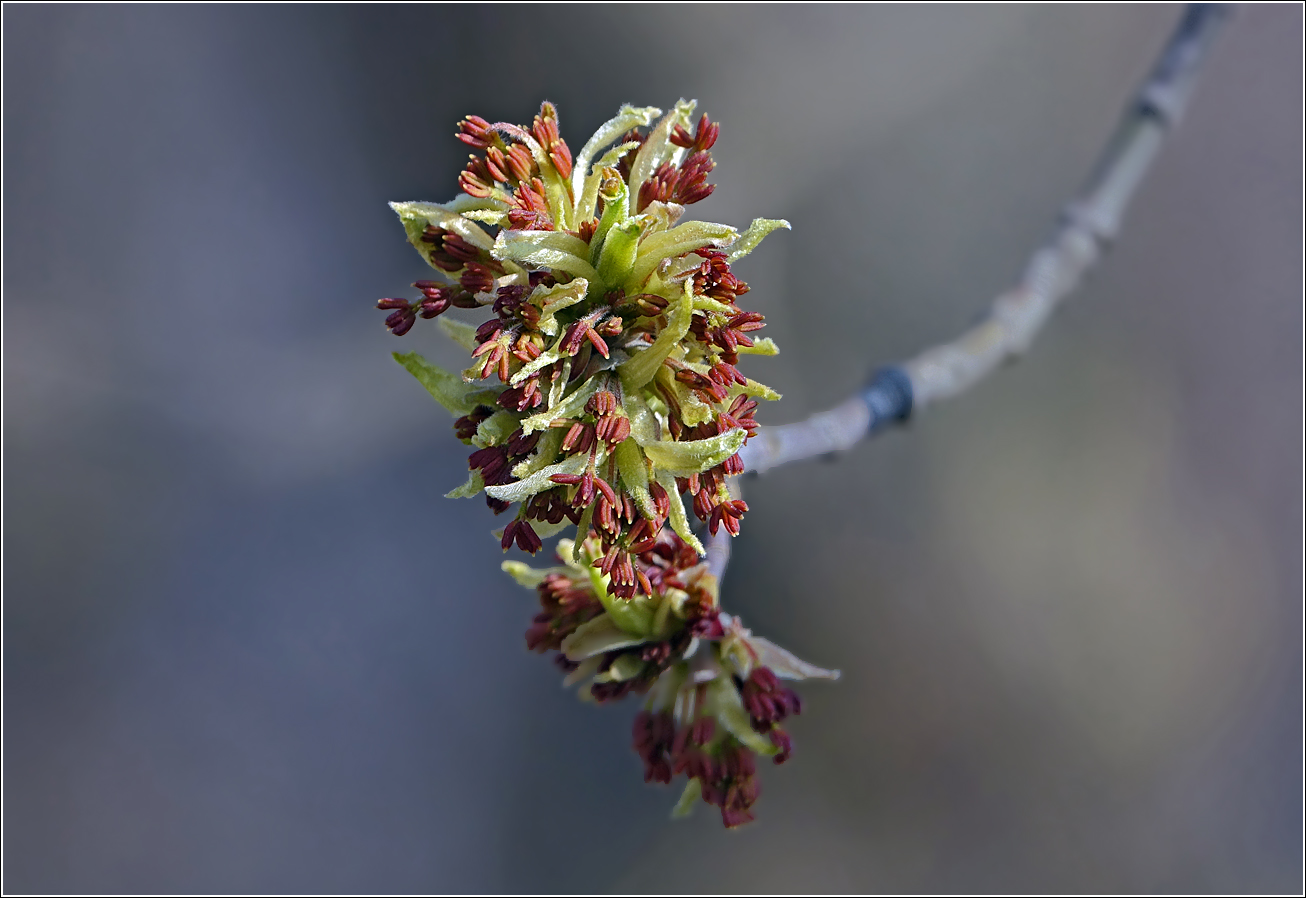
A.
pixel 1088 226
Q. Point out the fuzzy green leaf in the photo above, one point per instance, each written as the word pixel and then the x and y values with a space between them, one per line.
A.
pixel 624 667
pixel 732 715
pixel 685 806
pixel 460 332
pixel 634 476
pixel 495 430
pixel 785 663
pixel 749 240
pixel 596 637
pixel 695 456
pixel 568 407
pixel 447 389
pixel 553 300
pixel 678 519
pixel 546 452
pixel 416 216
pixel 468 490
pixel 544 249
pixel 681 239
pixel 644 364
pixel 526 575
pixel 537 482
pixel 627 117
pixel 762 346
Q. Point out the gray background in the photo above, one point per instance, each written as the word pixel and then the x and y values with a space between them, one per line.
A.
pixel 249 646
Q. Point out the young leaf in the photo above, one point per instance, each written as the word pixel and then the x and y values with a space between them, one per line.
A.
pixel 681 239
pixel 627 117
pixel 644 364
pixel 537 482
pixel 596 637
pixel 526 575
pixel 734 717
pixel 679 522
pixel 468 490
pixel 460 332
pixel 749 240
pixel 695 456
pixel 786 664
pixel 447 389
pixel 685 806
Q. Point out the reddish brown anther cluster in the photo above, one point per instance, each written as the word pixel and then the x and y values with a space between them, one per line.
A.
pixel 508 169
pixel 686 182
pixel 768 704
pixel 726 769
pixel 566 604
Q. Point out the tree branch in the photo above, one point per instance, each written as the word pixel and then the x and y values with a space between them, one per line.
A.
pixel 1055 270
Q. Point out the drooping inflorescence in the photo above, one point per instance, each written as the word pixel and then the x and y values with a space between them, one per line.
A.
pixel 604 393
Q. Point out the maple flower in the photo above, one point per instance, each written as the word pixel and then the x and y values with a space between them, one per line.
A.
pixel 714 701
pixel 603 388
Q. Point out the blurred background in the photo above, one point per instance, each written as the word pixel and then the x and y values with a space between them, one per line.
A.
pixel 249 646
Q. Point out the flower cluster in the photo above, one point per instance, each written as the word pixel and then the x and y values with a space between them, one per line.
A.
pixel 604 390
pixel 714 700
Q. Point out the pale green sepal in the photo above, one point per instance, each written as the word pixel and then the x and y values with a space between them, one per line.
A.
pixel 734 717
pixel 658 146
pixel 643 365
pixel 559 385
pixel 596 637
pixel 659 216
pixel 754 389
pixel 688 798
pixel 786 664
pixel 537 482
pixel 695 456
pixel 416 216
pixel 643 424
pixel 447 389
pixel 627 117
pixel 460 332
pixel 542 248
pixel 749 240
pixel 568 407
pixel 587 669
pixel 543 529
pixel 762 346
pixel 582 531
pixel 681 239
pixel 487 216
pixel 634 476
pixel 708 304
pixel 624 667
pixel 464 203
pixel 553 300
pixel 495 430
pixel 469 490
pixel 541 361
pixel 693 410
pixel 528 576
pixel 546 450
pixel 679 522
